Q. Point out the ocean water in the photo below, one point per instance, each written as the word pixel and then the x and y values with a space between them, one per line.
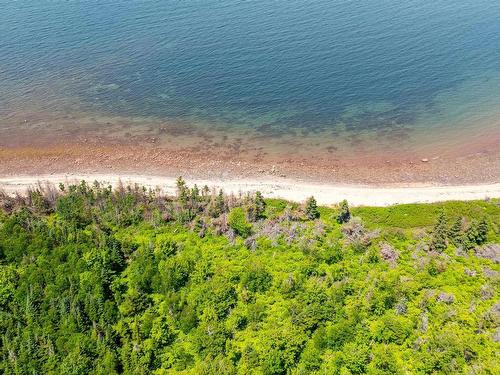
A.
pixel 381 69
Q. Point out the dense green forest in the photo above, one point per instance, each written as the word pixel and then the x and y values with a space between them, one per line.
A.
pixel 102 281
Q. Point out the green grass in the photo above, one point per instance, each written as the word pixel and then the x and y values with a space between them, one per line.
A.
pixel 424 215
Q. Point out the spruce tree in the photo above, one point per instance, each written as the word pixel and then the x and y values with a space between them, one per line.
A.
pixel 205 193
pixel 439 234
pixel 182 190
pixel 256 207
pixel 220 203
pixel 217 205
pixel 312 209
pixel 476 234
pixel 455 234
pixel 260 205
pixel 344 215
pixel 195 194
pixel 482 229
pixel 471 235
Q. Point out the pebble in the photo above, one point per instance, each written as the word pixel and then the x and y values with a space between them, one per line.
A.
pixel 425 160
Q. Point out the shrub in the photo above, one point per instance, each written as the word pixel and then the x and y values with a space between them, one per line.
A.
pixel 238 222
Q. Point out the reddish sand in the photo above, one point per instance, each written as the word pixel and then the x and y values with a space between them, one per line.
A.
pixel 204 164
pixel 34 144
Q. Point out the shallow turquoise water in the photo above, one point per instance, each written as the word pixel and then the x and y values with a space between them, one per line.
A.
pixel 269 66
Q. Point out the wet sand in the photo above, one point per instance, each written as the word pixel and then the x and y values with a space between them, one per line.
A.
pixel 40 144
pixel 205 164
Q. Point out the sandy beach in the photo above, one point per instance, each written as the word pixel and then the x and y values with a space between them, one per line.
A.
pixel 34 143
pixel 461 173
pixel 43 148
pixel 288 189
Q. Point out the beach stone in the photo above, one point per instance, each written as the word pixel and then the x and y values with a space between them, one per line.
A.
pixel 425 160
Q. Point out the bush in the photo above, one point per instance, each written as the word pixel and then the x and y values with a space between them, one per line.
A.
pixel 238 222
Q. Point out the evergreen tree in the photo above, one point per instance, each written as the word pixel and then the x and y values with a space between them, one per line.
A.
pixel 218 205
pixel 440 233
pixel 195 199
pixel 260 205
pixel 476 234
pixel 312 209
pixel 471 235
pixel 455 234
pixel 195 194
pixel 182 190
pixel 205 192
pixel 482 229
pixel 344 215
pixel 256 208
pixel 186 208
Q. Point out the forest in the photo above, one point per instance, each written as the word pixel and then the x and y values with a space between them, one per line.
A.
pixel 102 280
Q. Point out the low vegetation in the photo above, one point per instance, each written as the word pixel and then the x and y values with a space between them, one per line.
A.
pixel 102 281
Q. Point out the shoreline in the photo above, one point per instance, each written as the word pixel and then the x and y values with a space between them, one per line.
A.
pixel 224 162
pixel 35 143
pixel 72 147
pixel 289 189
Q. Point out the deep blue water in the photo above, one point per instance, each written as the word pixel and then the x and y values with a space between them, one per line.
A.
pixel 364 64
